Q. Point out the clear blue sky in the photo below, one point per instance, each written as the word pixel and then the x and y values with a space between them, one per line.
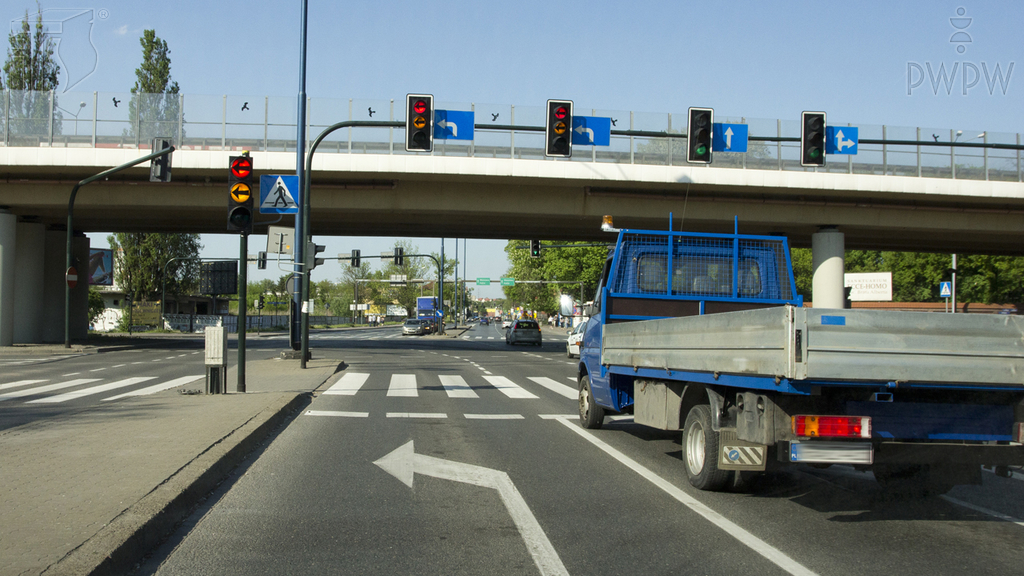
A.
pixel 855 60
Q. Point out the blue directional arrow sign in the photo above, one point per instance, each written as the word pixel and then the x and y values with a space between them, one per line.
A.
pixel 591 131
pixel 840 140
pixel 728 137
pixel 278 194
pixel 453 125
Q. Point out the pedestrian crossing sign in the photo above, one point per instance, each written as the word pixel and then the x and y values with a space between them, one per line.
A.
pixel 277 194
pixel 945 289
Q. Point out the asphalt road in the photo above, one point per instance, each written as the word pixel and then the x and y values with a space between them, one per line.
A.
pixel 462 456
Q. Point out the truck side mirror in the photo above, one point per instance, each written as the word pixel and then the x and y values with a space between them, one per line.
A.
pixel 565 305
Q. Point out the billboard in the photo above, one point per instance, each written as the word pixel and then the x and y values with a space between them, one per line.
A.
pixel 870 286
pixel 101 267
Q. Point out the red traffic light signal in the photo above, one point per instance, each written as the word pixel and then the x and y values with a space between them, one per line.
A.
pixel 557 129
pixel 419 136
pixel 240 203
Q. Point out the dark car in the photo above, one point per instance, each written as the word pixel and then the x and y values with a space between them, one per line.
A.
pixel 524 331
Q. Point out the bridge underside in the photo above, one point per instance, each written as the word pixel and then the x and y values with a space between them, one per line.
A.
pixel 367 195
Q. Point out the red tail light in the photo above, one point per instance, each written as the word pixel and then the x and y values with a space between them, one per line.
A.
pixel 832 426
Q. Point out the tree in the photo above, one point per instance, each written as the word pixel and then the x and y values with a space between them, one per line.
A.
pixel 31 73
pixel 155 105
pixel 96 305
pixel 583 264
pixel 142 257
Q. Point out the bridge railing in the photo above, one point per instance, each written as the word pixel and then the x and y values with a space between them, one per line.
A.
pixel 264 123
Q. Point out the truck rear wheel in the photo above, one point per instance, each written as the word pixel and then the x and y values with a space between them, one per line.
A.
pixel 700 451
pixel 591 415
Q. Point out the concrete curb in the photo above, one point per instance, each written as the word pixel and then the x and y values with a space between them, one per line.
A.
pixel 122 543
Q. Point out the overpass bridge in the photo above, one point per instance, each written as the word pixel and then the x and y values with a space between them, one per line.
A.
pixel 907 189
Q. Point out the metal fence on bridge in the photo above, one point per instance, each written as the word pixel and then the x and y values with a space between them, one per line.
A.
pixel 263 123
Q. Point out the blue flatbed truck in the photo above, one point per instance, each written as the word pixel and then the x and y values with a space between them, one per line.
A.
pixel 704 333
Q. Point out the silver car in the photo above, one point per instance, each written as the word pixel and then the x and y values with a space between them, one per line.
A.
pixel 524 331
pixel 414 327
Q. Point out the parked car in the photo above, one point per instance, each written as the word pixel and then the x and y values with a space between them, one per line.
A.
pixel 572 344
pixel 524 331
pixel 506 323
pixel 413 327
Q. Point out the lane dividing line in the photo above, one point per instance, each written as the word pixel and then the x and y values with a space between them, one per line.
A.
pixel 774 555
pixel 337 413
pixel 416 415
pixel 983 510
pixel 493 416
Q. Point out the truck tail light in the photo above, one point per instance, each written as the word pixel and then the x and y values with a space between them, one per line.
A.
pixel 832 426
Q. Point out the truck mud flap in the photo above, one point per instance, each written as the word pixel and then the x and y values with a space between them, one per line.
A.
pixel 735 454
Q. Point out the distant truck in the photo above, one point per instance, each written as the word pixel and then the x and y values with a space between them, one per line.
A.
pixel 705 333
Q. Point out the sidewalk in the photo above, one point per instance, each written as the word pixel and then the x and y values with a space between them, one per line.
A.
pixel 91 491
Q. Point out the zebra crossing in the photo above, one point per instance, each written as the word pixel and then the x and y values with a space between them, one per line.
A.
pixel 60 392
pixel 454 386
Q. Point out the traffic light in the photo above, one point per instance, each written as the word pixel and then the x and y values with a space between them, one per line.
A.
pixel 160 167
pixel 240 194
pixel 261 261
pixel 419 114
pixel 259 302
pixel 698 135
pixel 558 129
pixel 312 249
pixel 399 256
pixel 535 248
pixel 355 259
pixel 812 139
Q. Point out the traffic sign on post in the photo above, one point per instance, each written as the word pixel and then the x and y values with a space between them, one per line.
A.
pixel 483 281
pixel 591 131
pixel 841 139
pixel 453 125
pixel 945 289
pixel 72 277
pixel 240 202
pixel 508 281
pixel 277 194
pixel 729 137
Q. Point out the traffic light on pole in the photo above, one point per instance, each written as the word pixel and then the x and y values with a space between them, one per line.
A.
pixel 261 261
pixel 812 139
pixel 160 167
pixel 240 203
pixel 558 129
pixel 399 256
pixel 419 114
pixel 312 249
pixel 698 135
pixel 355 259
pixel 535 248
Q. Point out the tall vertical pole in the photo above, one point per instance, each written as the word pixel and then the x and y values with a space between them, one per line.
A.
pixel 953 285
pixel 298 252
pixel 243 304
pixel 465 293
pixel 456 285
pixel 440 287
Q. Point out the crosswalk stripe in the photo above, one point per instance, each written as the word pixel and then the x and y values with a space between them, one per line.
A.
pixel 555 387
pixel 403 385
pixel 456 387
pixel 508 388
pixel 47 388
pixel 19 383
pixel 157 387
pixel 349 384
pixel 92 390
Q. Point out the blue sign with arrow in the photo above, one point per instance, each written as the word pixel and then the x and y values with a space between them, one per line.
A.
pixel 840 140
pixel 591 131
pixel 728 137
pixel 453 125
pixel 277 194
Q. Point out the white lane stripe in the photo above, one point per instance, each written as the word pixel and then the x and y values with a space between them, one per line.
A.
pixel 97 370
pixel 456 387
pixel 337 413
pixel 119 365
pixel 47 388
pixel 416 415
pixel 556 387
pixel 508 388
pixel 349 384
pixel 983 510
pixel 403 385
pixel 158 387
pixel 493 416
pixel 19 383
pixel 773 554
pixel 93 390
pixel 70 374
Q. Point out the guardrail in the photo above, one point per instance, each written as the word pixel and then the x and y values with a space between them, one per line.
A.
pixel 263 123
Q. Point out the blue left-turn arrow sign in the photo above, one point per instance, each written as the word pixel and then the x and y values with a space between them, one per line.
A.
pixel 591 131
pixel 453 125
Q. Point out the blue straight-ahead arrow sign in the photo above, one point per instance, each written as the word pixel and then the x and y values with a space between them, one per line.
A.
pixel 729 137
pixel 591 131
pixel 841 139
pixel 453 125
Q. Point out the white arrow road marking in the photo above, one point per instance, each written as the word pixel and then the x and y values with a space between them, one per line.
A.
pixel 403 462
pixel 728 138
pixel 774 555
pixel 590 133
pixel 444 124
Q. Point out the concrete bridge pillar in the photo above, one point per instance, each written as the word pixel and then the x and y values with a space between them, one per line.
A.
pixel 28 291
pixel 828 247
pixel 8 252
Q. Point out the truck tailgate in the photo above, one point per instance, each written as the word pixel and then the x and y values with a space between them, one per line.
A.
pixel 808 343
